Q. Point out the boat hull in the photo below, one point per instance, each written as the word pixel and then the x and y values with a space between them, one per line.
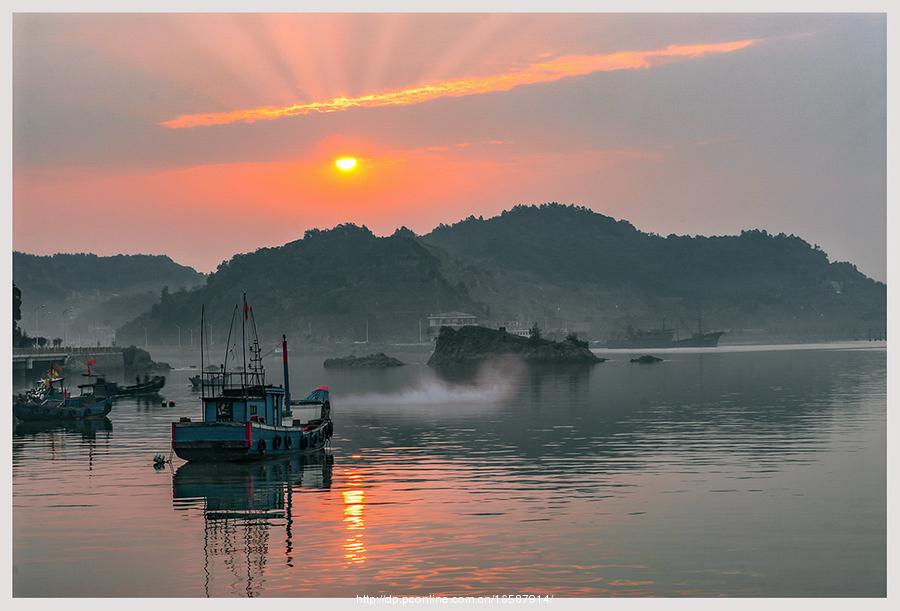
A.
pixel 56 411
pixel 700 340
pixel 245 441
pixel 151 387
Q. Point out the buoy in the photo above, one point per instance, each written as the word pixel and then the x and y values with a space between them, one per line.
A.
pixel 160 460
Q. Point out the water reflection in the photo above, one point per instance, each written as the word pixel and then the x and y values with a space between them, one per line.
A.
pixel 354 504
pixel 241 504
pixel 88 429
pixel 746 474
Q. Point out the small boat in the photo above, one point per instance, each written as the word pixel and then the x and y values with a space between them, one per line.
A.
pixel 51 401
pixel 244 418
pixel 149 386
pixel 195 382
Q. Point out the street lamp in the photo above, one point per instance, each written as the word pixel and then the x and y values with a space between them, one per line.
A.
pixel 66 326
pixel 34 313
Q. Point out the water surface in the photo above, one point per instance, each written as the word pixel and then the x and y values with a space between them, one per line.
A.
pixel 736 472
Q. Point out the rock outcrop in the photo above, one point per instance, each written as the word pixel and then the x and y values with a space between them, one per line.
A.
pixel 371 361
pixel 647 359
pixel 472 344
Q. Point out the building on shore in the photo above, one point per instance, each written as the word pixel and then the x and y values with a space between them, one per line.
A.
pixel 455 320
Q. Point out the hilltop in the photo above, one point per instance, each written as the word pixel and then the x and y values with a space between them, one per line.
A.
pixel 96 293
pixel 328 286
pixel 568 265
pixel 564 267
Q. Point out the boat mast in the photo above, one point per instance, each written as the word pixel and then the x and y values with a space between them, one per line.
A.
pixel 244 345
pixel 256 367
pixel 228 343
pixel 287 378
pixel 202 368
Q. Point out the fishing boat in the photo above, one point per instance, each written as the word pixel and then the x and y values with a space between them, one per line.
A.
pixel 195 382
pixel 50 400
pixel 666 338
pixel 244 418
pixel 149 386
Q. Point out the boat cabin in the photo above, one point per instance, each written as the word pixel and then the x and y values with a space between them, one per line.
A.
pixel 231 397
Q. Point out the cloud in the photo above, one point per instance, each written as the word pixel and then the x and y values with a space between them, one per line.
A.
pixel 541 72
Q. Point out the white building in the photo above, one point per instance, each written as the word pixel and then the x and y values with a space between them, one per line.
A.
pixel 454 320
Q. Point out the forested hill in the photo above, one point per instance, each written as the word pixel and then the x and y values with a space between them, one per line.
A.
pixel 331 284
pixel 562 267
pixel 588 267
pixel 55 277
pixel 84 297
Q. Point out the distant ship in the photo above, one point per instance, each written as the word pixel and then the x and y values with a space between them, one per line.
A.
pixel 665 338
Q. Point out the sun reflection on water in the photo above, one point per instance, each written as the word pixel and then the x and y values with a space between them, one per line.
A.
pixel 354 504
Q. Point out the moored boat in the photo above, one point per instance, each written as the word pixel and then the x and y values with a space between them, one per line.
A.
pixel 51 401
pixel 244 418
pixel 148 386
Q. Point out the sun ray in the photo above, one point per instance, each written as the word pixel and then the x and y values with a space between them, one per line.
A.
pixel 542 72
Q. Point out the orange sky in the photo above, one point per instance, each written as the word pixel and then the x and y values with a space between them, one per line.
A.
pixel 216 134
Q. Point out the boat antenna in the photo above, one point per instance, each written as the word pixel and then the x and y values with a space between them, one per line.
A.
pixel 228 343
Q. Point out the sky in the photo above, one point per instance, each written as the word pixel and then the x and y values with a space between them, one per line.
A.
pixel 202 136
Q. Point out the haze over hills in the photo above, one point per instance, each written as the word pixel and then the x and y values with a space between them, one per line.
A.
pixel 330 285
pixel 563 267
pixel 97 294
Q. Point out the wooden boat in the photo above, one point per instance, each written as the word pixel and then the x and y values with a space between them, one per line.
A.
pixel 195 382
pixel 244 418
pixel 150 386
pixel 52 402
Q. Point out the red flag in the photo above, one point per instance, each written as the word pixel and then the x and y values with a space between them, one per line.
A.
pixel 246 308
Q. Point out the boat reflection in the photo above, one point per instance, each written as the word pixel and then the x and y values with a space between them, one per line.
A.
pixel 241 504
pixel 87 428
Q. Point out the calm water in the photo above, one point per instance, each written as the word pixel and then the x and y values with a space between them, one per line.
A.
pixel 718 472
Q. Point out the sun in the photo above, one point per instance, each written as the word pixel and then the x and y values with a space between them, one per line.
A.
pixel 346 164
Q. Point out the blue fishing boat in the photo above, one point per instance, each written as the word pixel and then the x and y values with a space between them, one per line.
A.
pixel 50 401
pixel 244 418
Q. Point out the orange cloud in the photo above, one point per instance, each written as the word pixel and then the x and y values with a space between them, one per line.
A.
pixel 542 72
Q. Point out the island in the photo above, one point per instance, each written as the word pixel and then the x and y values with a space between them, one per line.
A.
pixel 138 359
pixel 371 361
pixel 473 343
pixel 647 359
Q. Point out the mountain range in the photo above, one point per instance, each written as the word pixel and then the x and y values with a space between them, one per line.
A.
pixel 86 296
pixel 565 268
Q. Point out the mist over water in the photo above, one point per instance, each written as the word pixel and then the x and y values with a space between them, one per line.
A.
pixel 730 472
pixel 487 383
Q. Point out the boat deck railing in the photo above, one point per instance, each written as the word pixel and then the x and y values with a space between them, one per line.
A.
pixel 230 383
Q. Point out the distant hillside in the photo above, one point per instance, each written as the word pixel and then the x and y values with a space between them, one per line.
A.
pixel 563 267
pixel 96 293
pixel 329 286
pixel 569 266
